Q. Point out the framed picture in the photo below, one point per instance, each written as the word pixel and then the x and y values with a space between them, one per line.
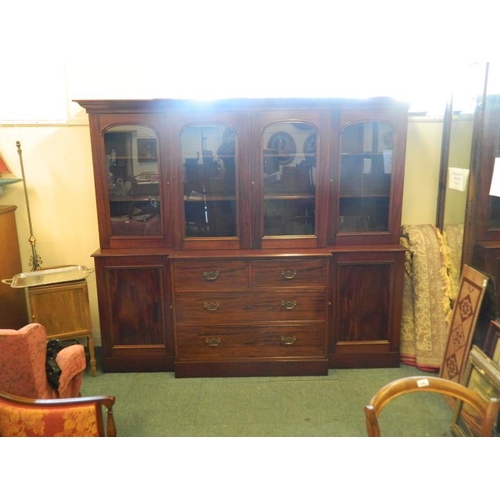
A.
pixel 492 341
pixel 481 375
pixel 147 150
pixel 283 147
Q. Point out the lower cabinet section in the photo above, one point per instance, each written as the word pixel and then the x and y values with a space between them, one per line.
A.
pixel 250 314
pixel 367 294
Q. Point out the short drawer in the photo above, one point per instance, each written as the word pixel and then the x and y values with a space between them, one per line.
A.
pixel 211 275
pixel 212 343
pixel 289 273
pixel 217 308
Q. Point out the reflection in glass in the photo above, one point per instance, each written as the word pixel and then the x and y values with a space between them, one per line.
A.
pixel 133 180
pixel 493 102
pixel 289 174
pixel 365 177
pixel 209 165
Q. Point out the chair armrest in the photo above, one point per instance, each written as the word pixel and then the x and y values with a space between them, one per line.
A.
pixel 72 362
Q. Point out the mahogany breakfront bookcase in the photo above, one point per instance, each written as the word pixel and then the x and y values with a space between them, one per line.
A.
pixel 248 237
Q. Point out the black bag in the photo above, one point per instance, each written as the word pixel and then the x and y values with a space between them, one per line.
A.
pixel 51 367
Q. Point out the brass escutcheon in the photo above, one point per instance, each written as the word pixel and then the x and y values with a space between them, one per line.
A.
pixel 288 275
pixel 211 306
pixel 212 342
pixel 211 275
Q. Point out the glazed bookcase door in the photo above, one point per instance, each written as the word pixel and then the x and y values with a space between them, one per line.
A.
pixel 132 184
pixel 289 176
pixel 368 191
pixel 209 162
pixel 488 203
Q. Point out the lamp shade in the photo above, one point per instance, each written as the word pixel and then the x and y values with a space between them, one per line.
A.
pixel 6 176
pixel 4 169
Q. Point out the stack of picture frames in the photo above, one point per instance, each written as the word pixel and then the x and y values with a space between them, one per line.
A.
pixel 477 369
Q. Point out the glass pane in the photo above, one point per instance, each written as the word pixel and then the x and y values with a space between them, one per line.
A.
pixel 133 180
pixel 209 161
pixel 289 170
pixel 494 103
pixel 365 177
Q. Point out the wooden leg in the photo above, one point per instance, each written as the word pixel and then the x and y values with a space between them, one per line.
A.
pixel 93 365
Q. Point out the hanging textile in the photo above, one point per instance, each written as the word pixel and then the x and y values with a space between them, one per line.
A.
pixel 427 297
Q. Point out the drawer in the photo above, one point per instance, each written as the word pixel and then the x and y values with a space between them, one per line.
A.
pixel 224 307
pixel 209 343
pixel 211 275
pixel 289 273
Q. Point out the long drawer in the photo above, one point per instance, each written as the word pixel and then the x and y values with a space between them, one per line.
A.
pixel 228 342
pixel 225 307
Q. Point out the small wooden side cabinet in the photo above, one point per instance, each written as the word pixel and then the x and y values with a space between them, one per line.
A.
pixel 64 310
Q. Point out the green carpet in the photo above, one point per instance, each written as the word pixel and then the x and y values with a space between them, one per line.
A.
pixel 158 404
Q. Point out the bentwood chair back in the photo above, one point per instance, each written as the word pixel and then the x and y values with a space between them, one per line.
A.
pixel 487 411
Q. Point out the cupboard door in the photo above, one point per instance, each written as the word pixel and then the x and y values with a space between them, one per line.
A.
pixel 367 298
pixel 134 308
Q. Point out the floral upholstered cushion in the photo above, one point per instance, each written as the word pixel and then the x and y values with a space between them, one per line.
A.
pixel 17 420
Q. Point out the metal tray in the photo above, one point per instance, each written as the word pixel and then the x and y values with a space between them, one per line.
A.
pixel 48 276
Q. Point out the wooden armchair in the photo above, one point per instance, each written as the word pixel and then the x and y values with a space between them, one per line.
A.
pixel 22 359
pixel 487 410
pixel 71 417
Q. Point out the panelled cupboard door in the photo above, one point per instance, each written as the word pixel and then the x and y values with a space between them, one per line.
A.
pixel 135 313
pixel 367 301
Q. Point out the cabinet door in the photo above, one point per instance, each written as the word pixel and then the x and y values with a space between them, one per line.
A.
pixel 209 163
pixel 486 220
pixel 132 181
pixel 134 309
pixel 369 186
pixel 290 162
pixel 63 309
pixel 367 298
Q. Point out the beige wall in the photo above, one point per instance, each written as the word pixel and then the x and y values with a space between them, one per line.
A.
pixel 58 169
pixel 423 154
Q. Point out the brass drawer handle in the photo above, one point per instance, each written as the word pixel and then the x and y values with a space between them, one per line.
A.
pixel 211 275
pixel 288 304
pixel 288 340
pixel 212 342
pixel 289 275
pixel 211 306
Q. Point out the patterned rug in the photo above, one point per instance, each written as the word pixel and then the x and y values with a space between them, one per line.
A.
pixel 427 297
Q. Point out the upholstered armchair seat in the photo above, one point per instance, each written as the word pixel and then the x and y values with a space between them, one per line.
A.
pixel 22 359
